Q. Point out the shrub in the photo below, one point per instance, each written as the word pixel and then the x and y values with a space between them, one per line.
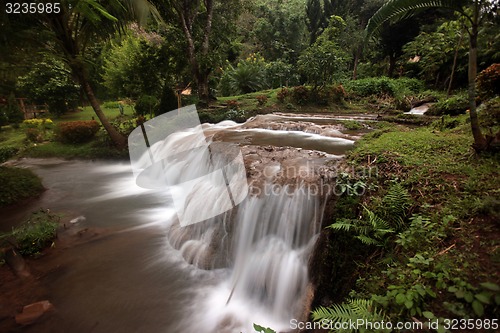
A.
pixel 380 86
pixel 146 105
pixel 233 104
pixel 300 95
pixel 261 100
pixel 488 82
pixel 77 131
pixel 33 135
pixel 36 233
pixel 451 106
pixel 18 184
pixel 282 95
pixel 39 123
pixel 111 105
pixel 238 116
pixel 7 152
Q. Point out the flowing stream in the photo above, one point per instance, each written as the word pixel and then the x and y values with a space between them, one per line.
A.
pixel 143 272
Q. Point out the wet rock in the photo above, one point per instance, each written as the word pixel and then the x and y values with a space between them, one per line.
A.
pixel 32 312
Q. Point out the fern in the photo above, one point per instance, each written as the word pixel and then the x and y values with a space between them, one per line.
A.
pixel 351 311
pixel 370 231
pixel 396 203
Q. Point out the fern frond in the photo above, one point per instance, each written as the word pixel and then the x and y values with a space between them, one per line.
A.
pixel 396 203
pixel 368 240
pixel 342 225
pixel 352 310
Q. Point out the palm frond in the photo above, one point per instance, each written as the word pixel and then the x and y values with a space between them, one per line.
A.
pixel 400 9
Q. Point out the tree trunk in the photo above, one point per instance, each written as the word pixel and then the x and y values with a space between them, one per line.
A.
pixel 480 143
pixel 357 56
pixel 118 140
pixel 392 65
pixel 453 68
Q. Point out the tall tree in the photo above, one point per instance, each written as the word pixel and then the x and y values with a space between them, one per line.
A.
pixel 74 25
pixel 202 23
pixel 474 11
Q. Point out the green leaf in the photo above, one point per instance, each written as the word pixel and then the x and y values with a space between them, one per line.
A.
pixel 400 298
pixel 409 304
pixel 478 308
pixel 483 297
pixel 490 286
pixel 469 297
pixel 428 314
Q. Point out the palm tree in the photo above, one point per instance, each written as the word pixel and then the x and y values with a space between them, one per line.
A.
pixel 78 24
pixel 474 11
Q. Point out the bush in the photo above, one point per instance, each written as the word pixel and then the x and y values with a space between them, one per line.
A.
pixel 380 86
pixel 18 184
pixel 233 104
pixel 146 105
pixel 261 100
pixel 451 106
pixel 111 105
pixel 238 116
pixel 488 82
pixel 282 95
pixel 77 131
pixel 7 152
pixel 36 233
pixel 39 123
pixel 33 135
pixel 300 95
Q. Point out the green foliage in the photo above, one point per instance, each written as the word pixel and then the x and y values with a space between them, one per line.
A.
pixel 137 65
pixel 488 82
pixel 435 53
pixel 380 86
pixel 248 76
pixel 352 124
pixel 12 114
pixel 36 233
pixel 279 29
pixel 18 184
pixel 50 82
pixel 370 231
pixel 7 152
pixel 146 105
pixel 396 204
pixel 452 106
pixel 77 131
pixel 324 62
pixel 262 329
pixel 280 73
pixel 351 311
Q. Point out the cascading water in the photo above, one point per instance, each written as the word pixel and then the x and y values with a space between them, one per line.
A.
pixel 257 252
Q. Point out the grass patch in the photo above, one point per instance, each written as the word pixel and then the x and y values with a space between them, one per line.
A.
pixel 90 150
pixel 34 234
pixel 18 184
pixel 442 258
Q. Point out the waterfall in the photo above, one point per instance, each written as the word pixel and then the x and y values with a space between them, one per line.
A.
pixel 264 245
pixel 256 249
